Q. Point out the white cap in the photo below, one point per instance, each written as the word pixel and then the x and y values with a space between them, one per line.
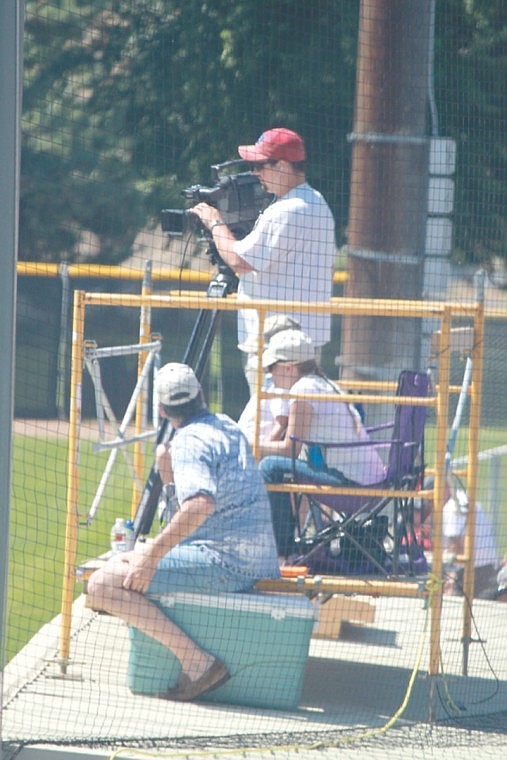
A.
pixel 272 325
pixel 288 346
pixel 277 323
pixel 175 384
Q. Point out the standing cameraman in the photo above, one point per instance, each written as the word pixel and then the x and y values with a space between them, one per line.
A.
pixel 290 253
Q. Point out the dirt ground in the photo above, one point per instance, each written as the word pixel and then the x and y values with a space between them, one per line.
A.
pixel 50 428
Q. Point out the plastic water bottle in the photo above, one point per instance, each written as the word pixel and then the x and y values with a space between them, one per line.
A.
pixel 130 538
pixel 118 536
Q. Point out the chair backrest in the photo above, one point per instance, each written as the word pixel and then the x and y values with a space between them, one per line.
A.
pixel 406 453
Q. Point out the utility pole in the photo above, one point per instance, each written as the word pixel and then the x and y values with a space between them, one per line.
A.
pixel 389 183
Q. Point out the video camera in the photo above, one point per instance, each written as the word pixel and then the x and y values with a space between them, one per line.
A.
pixel 240 198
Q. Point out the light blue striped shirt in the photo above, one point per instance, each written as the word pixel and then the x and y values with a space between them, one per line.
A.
pixel 210 455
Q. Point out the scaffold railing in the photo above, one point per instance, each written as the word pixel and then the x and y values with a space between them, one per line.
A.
pixel 445 314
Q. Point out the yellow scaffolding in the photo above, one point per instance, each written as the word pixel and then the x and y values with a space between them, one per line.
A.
pixel 378 392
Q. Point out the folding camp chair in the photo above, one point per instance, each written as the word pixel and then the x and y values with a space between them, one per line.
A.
pixel 349 532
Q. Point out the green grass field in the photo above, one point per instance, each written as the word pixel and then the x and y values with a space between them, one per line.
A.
pixel 38 517
pixel 37 527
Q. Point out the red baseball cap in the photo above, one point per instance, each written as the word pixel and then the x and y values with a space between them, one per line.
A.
pixel 278 144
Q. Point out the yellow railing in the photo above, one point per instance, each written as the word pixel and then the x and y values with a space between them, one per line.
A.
pixel 380 392
pixel 104 271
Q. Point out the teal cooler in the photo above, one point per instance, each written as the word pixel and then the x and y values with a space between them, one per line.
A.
pixel 262 638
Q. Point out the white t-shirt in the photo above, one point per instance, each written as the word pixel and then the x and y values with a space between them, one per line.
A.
pixel 337 422
pixel 454 526
pixel 292 250
pixel 270 409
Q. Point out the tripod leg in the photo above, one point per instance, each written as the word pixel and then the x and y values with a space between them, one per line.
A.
pixel 201 325
pixel 151 492
pixel 202 359
pixel 196 356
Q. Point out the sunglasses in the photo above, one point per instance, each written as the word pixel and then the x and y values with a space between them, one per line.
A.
pixel 258 166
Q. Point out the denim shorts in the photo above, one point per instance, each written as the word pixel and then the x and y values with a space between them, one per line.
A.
pixel 196 569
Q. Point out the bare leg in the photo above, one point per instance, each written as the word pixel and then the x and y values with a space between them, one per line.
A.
pixel 105 592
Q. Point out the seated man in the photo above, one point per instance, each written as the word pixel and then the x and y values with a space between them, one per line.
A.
pixel 220 538
pixel 454 526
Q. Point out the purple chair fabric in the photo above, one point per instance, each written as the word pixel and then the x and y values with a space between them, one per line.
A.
pixel 404 468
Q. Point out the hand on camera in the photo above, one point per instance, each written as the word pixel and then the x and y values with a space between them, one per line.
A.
pixel 206 213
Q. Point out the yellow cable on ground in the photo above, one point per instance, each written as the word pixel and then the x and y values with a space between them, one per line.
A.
pixel 433 586
pixel 450 701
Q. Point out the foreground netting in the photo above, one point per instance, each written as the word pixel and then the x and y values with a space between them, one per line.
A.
pixel 381 642
pixel 126 104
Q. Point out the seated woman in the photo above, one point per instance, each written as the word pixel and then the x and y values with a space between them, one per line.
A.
pixel 290 358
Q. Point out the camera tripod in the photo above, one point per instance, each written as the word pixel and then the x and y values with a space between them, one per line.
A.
pixel 196 356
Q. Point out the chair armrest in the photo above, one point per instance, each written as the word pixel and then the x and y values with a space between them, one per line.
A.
pixel 338 444
pixel 376 428
pixel 321 466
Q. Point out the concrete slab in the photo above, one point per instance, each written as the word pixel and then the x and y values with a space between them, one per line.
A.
pixel 367 689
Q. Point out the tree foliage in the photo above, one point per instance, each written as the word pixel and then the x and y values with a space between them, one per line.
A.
pixel 471 92
pixel 128 101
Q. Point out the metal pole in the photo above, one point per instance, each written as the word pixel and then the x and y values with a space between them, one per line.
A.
pixel 142 400
pixel 11 58
pixel 72 522
pixel 389 182
pixel 438 502
pixel 63 344
pixel 495 468
pixel 473 448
